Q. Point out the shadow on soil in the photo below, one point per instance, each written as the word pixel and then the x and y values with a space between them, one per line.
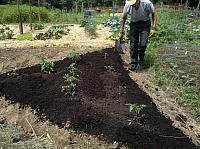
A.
pixel 98 107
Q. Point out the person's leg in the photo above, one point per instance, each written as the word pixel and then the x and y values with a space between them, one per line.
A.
pixel 134 41
pixel 143 44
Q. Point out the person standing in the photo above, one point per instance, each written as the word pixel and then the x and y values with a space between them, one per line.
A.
pixel 140 27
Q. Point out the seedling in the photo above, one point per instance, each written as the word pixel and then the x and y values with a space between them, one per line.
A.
pixel 136 109
pixel 109 68
pixel 47 66
pixel 75 56
pixel 70 80
pixel 12 73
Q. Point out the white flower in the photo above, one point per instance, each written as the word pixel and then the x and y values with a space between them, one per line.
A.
pixel 175 41
pixel 176 48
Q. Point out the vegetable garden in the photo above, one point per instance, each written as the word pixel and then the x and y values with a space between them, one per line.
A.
pixel 79 93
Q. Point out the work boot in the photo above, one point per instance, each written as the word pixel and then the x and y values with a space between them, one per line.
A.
pixel 142 62
pixel 132 66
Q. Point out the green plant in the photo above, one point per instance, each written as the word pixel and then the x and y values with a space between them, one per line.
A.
pixel 109 68
pixel 37 26
pixel 75 56
pixel 90 27
pixel 70 80
pixel 25 37
pixel 136 109
pixel 12 73
pixel 54 32
pixel 47 66
pixel 5 32
pixel 83 23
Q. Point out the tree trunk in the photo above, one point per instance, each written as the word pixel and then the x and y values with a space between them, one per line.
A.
pixel 20 18
pixel 39 18
pixel 30 14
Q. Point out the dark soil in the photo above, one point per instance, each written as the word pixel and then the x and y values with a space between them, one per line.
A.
pixel 99 106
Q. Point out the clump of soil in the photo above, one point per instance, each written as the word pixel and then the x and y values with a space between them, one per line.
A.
pixel 99 105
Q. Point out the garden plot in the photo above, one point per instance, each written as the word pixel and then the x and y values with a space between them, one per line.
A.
pixel 99 105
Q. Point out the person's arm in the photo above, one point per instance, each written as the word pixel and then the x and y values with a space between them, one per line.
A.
pixel 123 20
pixel 154 20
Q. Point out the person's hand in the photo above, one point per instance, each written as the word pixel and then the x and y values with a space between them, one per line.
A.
pixel 152 31
pixel 121 36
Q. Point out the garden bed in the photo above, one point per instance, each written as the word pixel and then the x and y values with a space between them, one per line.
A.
pixel 99 105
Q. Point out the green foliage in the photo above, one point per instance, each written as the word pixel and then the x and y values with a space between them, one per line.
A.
pixel 25 37
pixel 75 56
pixel 38 26
pixel 47 66
pixel 136 109
pixel 70 79
pixel 59 29
pixel 109 68
pixel 9 13
pixel 5 32
pixel 150 57
pixel 90 27
pixel 54 32
pixel 83 23
pixel 114 23
pixel 12 73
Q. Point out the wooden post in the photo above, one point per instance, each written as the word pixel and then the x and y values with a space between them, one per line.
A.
pixel 20 18
pixel 82 7
pixel 30 14
pixel 39 18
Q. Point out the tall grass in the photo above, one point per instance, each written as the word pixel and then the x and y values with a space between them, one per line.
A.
pixel 9 14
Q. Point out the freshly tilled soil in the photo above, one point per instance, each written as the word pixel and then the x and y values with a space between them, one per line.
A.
pixel 99 105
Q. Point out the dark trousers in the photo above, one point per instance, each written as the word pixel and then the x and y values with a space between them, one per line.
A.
pixel 139 32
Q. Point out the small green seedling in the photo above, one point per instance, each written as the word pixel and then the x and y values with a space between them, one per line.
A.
pixel 70 80
pixel 109 68
pixel 12 73
pixel 136 109
pixel 47 66
pixel 75 56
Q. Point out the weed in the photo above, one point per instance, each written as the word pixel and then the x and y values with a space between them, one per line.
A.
pixel 136 109
pixel 47 66
pixel 70 80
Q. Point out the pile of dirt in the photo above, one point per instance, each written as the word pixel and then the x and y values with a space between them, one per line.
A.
pixel 99 106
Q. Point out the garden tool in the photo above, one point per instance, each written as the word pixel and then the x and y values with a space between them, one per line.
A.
pixel 120 43
pixel 152 32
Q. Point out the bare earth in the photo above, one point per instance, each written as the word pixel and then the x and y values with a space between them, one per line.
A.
pixel 20 54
